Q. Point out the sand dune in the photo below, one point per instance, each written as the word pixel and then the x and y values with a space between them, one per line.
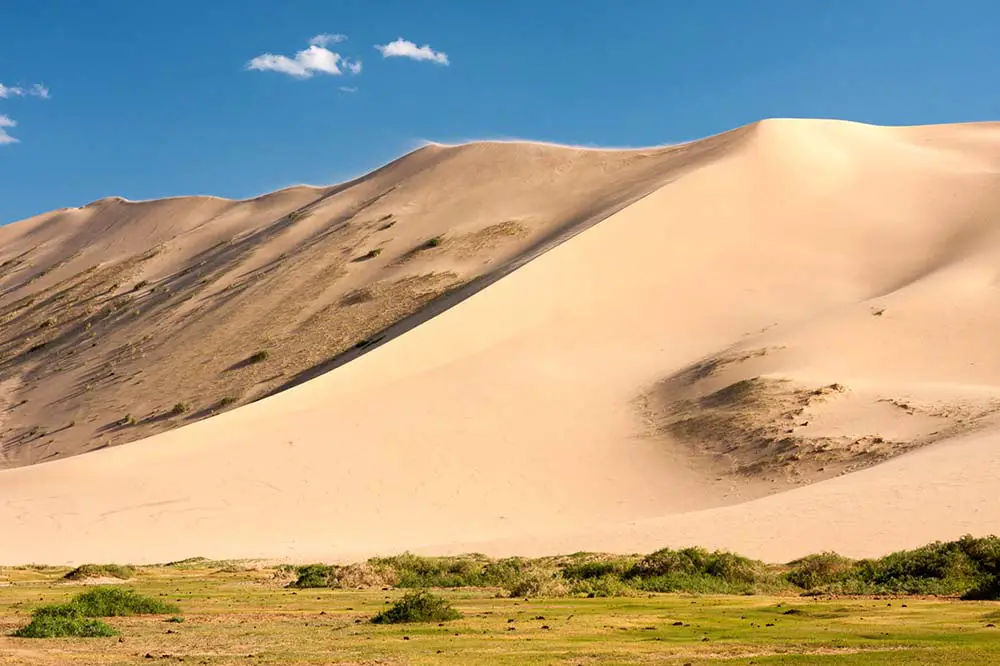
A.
pixel 777 341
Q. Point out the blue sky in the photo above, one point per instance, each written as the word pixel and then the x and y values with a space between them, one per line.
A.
pixel 157 98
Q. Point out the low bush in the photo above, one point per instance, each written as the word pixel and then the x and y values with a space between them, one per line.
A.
pixel 420 606
pixel 68 623
pixel 818 570
pixel 113 601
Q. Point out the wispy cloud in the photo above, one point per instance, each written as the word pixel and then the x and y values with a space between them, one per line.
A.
pixel 402 48
pixel 35 90
pixel 327 38
pixel 6 92
pixel 348 89
pixel 5 138
pixel 314 59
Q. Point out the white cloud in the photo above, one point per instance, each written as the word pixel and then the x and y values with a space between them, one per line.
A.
pixel 402 48
pixel 315 59
pixel 6 122
pixel 348 89
pixel 36 90
pixel 305 63
pixel 326 39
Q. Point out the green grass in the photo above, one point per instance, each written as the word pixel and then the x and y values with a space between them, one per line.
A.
pixel 233 612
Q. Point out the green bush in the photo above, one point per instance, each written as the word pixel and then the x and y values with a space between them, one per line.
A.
pixel 420 606
pixel 69 622
pixel 698 562
pixel 814 571
pixel 602 586
pixel 86 571
pixel 419 572
pixel 113 601
pixel 313 575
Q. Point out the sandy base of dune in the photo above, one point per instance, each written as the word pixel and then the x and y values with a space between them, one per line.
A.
pixel 523 419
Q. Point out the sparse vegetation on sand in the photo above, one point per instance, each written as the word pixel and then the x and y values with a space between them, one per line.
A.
pixel 239 612
pixel 969 567
pixel 88 571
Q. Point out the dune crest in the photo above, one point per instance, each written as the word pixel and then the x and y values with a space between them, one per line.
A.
pixel 620 342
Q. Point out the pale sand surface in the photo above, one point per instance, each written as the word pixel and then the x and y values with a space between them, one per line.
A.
pixel 533 416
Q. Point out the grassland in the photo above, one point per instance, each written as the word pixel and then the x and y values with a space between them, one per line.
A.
pixel 245 613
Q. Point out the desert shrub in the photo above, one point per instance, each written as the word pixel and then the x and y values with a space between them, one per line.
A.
pixel 434 242
pixel 954 567
pixel 817 570
pixel 65 624
pixel 175 619
pixel 419 572
pixel 313 575
pixel 507 572
pixel 539 582
pixel 113 601
pixel 257 357
pixel 698 562
pixel 419 606
pixel 179 408
pixel 363 575
pixel 602 586
pixel 599 568
pixel 85 571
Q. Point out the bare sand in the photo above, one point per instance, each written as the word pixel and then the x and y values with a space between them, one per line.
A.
pixel 783 343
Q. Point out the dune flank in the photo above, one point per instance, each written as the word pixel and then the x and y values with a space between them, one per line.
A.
pixel 776 340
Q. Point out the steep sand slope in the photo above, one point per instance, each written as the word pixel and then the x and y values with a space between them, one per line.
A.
pixel 120 320
pixel 540 414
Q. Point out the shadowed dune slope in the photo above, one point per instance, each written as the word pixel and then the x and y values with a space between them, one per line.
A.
pixel 120 320
pixel 787 347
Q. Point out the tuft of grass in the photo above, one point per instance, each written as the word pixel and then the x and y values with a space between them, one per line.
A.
pixel 257 357
pixel 175 619
pixel 419 606
pixel 179 408
pixel 139 285
pixel 297 215
pixel 86 571
pixel 226 401
pixel 434 242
